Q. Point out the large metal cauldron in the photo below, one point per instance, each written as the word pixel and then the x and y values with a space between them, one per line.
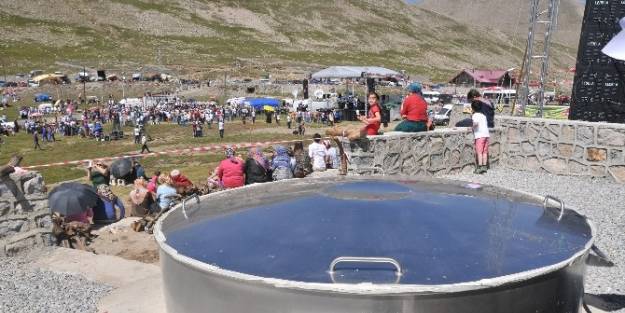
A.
pixel 373 245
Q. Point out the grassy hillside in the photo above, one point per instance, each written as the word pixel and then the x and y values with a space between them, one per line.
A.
pixel 247 36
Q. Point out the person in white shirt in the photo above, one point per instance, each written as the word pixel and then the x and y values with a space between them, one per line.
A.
pixel 221 128
pixel 317 153
pixel 332 158
pixel 481 135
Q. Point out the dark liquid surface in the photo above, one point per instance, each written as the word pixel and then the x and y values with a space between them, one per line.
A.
pixel 438 238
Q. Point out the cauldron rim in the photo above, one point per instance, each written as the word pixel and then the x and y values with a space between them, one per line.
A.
pixel 369 288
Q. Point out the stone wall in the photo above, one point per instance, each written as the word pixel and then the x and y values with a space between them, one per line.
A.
pixel 563 147
pixel 24 215
pixel 553 146
pixel 443 151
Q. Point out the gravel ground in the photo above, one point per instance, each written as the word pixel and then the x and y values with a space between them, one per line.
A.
pixel 25 290
pixel 601 200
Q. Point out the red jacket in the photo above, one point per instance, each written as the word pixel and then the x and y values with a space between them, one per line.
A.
pixel 415 108
pixel 231 173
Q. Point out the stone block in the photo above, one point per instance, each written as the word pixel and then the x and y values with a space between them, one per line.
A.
pixel 577 168
pixel 5 207
pixel 436 145
pixel 391 161
pixel 532 163
pixel 586 135
pixel 611 137
pixel 567 134
pixel 517 162
pixel 527 147
pixel 566 150
pixel 598 171
pixel 544 149
pixel 555 166
pixel 11 227
pixel 514 148
pixel 578 153
pixel 616 157
pixel 532 133
pixel 618 173
pixel 437 161
pixel 513 135
pixel 596 154
pixel 34 185
pixel 454 157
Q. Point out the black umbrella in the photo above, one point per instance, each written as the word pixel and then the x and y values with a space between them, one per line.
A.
pixel 467 122
pixel 72 198
pixel 121 168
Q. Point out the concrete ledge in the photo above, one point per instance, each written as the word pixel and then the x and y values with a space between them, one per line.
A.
pixel 137 286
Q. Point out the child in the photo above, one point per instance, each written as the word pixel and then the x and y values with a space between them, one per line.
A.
pixel 481 135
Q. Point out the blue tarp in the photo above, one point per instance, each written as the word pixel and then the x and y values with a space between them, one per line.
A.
pixel 259 103
pixel 40 97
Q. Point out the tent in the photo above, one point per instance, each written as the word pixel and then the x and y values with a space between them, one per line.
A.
pixel 260 103
pixel 41 97
pixel 354 72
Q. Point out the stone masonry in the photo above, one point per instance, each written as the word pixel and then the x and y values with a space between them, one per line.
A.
pixel 554 146
pixel 24 215
pixel 563 147
pixel 443 151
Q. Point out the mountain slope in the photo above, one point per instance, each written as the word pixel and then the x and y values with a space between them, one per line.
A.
pixel 249 36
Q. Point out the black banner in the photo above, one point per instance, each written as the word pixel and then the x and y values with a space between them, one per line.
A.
pixel 599 85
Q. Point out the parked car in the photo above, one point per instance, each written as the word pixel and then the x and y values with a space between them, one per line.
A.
pixel 443 115
pixel 4 123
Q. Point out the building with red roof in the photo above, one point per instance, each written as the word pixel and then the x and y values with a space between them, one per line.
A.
pixel 484 78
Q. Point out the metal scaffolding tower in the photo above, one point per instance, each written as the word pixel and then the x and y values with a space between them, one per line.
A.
pixel 543 16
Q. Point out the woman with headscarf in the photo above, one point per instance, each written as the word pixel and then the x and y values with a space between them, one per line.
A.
pixel 231 171
pixel 413 111
pixel 303 164
pixel 165 193
pixel 281 164
pixel 109 208
pixel 140 198
pixel 332 157
pixel 256 167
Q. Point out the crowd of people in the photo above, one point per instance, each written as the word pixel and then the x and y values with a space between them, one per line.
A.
pixel 160 191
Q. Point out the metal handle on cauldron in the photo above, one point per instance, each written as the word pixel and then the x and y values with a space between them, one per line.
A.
pixel 184 204
pixel 552 198
pixel 352 259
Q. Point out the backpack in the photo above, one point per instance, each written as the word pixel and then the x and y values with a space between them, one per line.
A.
pixel 385 115
pixel 303 165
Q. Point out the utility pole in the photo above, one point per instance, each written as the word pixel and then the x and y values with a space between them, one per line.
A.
pixel 549 18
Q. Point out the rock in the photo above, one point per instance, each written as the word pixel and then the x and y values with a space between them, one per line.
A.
pixel 618 173
pixel 565 150
pixel 586 135
pixel 568 134
pixel 596 154
pixel 555 166
pixel 610 137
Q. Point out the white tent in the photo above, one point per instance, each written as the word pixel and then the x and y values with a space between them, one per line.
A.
pixel 354 72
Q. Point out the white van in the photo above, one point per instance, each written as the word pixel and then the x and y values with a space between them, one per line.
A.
pixel 431 96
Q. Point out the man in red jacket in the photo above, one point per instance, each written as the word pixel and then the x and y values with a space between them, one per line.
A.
pixel 413 111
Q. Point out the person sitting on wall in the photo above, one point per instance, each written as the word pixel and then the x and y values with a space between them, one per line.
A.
pixel 372 122
pixel 413 111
